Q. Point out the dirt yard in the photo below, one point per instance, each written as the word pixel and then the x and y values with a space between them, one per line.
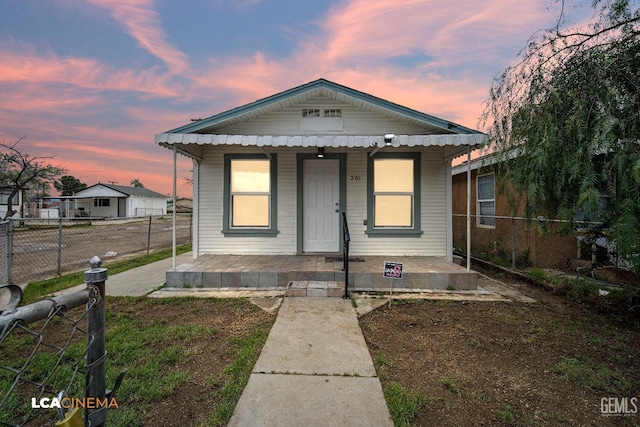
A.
pixel 507 363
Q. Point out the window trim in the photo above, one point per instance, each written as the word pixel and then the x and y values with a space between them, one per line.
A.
pixel 272 229
pixel 479 216
pixel 415 230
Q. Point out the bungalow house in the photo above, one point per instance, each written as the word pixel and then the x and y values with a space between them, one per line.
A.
pixel 117 201
pixel 17 202
pixel 274 176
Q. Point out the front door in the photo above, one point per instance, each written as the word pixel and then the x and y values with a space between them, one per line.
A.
pixel 321 205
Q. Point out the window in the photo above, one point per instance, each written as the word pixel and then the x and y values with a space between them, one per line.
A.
pixel 249 195
pixel 586 215
pixel 333 113
pixel 315 112
pixel 393 184
pixel 486 200
pixel 101 202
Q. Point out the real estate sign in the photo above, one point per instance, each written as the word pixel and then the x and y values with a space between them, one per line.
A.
pixel 393 270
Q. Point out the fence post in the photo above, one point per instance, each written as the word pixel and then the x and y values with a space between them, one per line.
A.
pixel 513 243
pixel 96 354
pixel 59 246
pixel 9 250
pixel 149 236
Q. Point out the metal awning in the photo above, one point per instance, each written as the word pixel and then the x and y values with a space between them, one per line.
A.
pixel 191 144
pixel 338 141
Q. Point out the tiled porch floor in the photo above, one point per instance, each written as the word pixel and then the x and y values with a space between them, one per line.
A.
pixel 264 271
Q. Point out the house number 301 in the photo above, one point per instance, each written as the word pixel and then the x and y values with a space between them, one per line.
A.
pixel 355 177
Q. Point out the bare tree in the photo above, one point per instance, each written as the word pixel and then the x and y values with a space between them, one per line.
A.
pixel 19 170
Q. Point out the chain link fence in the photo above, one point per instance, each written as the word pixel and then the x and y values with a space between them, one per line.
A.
pixel 36 249
pixel 45 348
pixel 520 243
pixel 5 251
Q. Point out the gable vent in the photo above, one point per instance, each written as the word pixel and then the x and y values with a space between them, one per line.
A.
pixel 316 112
pixel 321 120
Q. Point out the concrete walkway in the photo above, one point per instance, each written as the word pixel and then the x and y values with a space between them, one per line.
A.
pixel 314 370
pixel 137 281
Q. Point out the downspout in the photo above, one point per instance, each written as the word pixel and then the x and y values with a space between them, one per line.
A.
pixel 175 191
pixel 468 208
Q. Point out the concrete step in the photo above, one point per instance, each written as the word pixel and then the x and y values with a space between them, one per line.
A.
pixel 314 288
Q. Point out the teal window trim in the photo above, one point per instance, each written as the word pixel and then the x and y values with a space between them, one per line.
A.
pixel 272 230
pixel 415 230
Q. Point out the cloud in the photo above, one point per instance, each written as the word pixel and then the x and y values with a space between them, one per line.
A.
pixel 449 32
pixel 435 56
pixel 86 73
pixel 143 23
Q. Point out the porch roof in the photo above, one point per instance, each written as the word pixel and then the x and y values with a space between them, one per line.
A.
pixel 190 142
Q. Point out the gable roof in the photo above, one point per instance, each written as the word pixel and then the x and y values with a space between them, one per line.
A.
pixel 128 191
pixel 320 87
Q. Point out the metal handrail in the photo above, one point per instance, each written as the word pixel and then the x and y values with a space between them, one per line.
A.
pixel 346 238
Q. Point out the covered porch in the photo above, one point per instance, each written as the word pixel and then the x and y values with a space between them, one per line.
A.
pixel 270 272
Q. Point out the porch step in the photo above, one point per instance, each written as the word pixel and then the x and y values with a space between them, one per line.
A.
pixel 262 272
pixel 314 288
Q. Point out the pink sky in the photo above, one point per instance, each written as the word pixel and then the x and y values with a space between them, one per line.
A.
pixel 97 110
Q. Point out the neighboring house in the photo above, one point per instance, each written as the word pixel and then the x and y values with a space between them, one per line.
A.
pixel 183 206
pixel 493 231
pixel 116 201
pixel 17 202
pixel 273 176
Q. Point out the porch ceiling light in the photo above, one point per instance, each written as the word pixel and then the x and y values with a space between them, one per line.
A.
pixel 388 138
pixel 320 152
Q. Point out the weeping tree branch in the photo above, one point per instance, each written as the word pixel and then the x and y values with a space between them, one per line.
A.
pixel 570 111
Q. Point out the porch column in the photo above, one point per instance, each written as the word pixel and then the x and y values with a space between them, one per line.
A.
pixel 175 191
pixel 468 208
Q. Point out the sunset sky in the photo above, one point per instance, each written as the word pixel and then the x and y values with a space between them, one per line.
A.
pixel 92 81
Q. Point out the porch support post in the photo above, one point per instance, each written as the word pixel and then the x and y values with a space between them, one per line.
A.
pixel 468 208
pixel 175 191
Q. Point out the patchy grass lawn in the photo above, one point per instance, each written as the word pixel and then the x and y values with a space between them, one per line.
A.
pixel 186 360
pixel 513 364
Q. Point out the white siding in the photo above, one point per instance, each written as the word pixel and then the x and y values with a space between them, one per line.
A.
pixel 145 206
pixel 210 190
pixel 356 121
pixel 99 191
pixel 432 242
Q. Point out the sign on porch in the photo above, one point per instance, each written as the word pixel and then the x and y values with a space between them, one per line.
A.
pixel 393 270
